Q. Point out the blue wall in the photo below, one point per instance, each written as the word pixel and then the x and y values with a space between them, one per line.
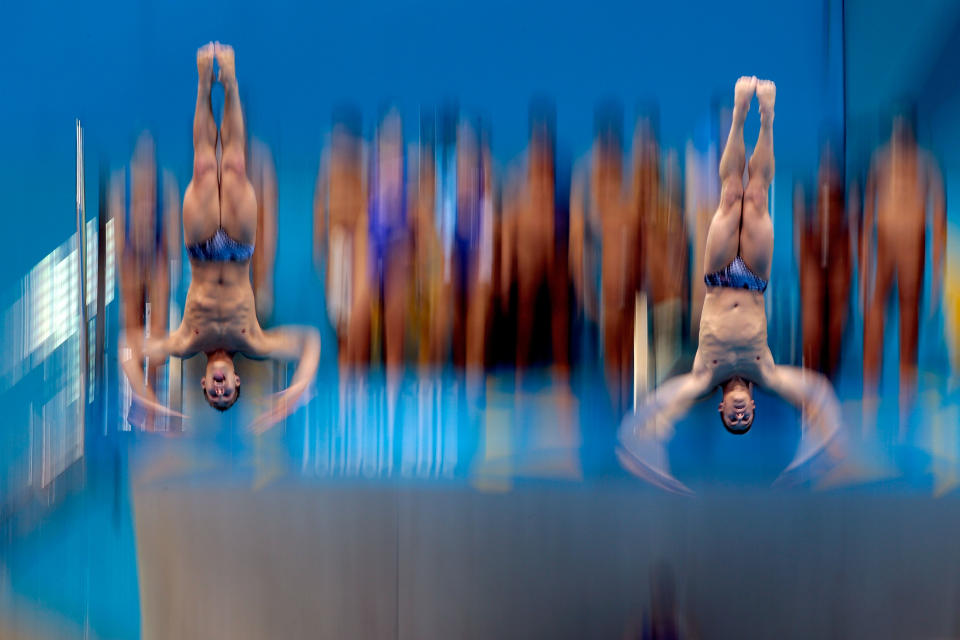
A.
pixel 122 65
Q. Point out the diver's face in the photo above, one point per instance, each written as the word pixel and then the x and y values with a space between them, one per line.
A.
pixel 737 407
pixel 220 383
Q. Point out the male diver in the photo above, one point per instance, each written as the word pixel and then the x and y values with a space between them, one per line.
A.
pixel 220 226
pixel 733 352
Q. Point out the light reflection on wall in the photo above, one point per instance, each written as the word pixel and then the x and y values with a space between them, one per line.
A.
pixel 360 442
pixel 42 359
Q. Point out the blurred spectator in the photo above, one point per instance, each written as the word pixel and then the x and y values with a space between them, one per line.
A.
pixel 473 285
pixel 262 174
pixel 621 254
pixel 340 237
pixel 530 240
pixel 431 290
pixel 903 182
pixel 824 255
pixel 664 242
pixel 145 203
pixel 390 242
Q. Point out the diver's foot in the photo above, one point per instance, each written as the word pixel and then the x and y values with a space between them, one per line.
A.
pixel 766 96
pixel 743 93
pixel 226 60
pixel 205 56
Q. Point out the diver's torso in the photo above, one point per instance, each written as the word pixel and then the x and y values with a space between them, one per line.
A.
pixel 219 310
pixel 733 332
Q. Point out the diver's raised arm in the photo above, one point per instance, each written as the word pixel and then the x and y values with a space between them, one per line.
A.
pixel 288 343
pixel 656 413
pixel 133 351
pixel 813 394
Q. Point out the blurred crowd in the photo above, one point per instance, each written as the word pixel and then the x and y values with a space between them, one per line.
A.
pixel 433 254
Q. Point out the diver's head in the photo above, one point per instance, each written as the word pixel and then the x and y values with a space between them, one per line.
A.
pixel 737 407
pixel 220 383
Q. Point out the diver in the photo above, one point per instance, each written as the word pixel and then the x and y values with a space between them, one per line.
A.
pixel 733 352
pixel 220 225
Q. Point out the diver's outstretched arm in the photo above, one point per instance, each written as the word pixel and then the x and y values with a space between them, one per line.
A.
pixel 134 350
pixel 813 394
pixel 289 343
pixel 643 434
pixel 655 415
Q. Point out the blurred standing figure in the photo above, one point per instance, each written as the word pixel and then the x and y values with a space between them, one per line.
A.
pixel 432 290
pixel 340 237
pixel 664 241
pixel 701 197
pixel 824 255
pixel 390 241
pixel 474 246
pixel 583 250
pixel 145 202
pixel 530 241
pixel 903 182
pixel 262 174
pixel 621 248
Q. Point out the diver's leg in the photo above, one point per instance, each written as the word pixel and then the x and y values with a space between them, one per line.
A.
pixel 478 313
pixel 723 234
pixel 201 200
pixel 873 324
pixel 528 282
pixel 559 321
pixel 910 290
pixel 756 234
pixel 238 202
pixel 394 311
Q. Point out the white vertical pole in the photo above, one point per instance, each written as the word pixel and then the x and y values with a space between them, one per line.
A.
pixel 641 348
pixel 81 283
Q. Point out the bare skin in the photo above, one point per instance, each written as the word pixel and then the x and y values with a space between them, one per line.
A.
pixel 701 195
pixel 583 241
pixel 664 240
pixel 825 261
pixel 620 269
pixel 433 293
pixel 263 176
pixel 474 223
pixel 340 214
pixel 530 224
pixel 665 243
pixel 219 317
pixel 903 181
pixel 733 352
pixel 390 192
